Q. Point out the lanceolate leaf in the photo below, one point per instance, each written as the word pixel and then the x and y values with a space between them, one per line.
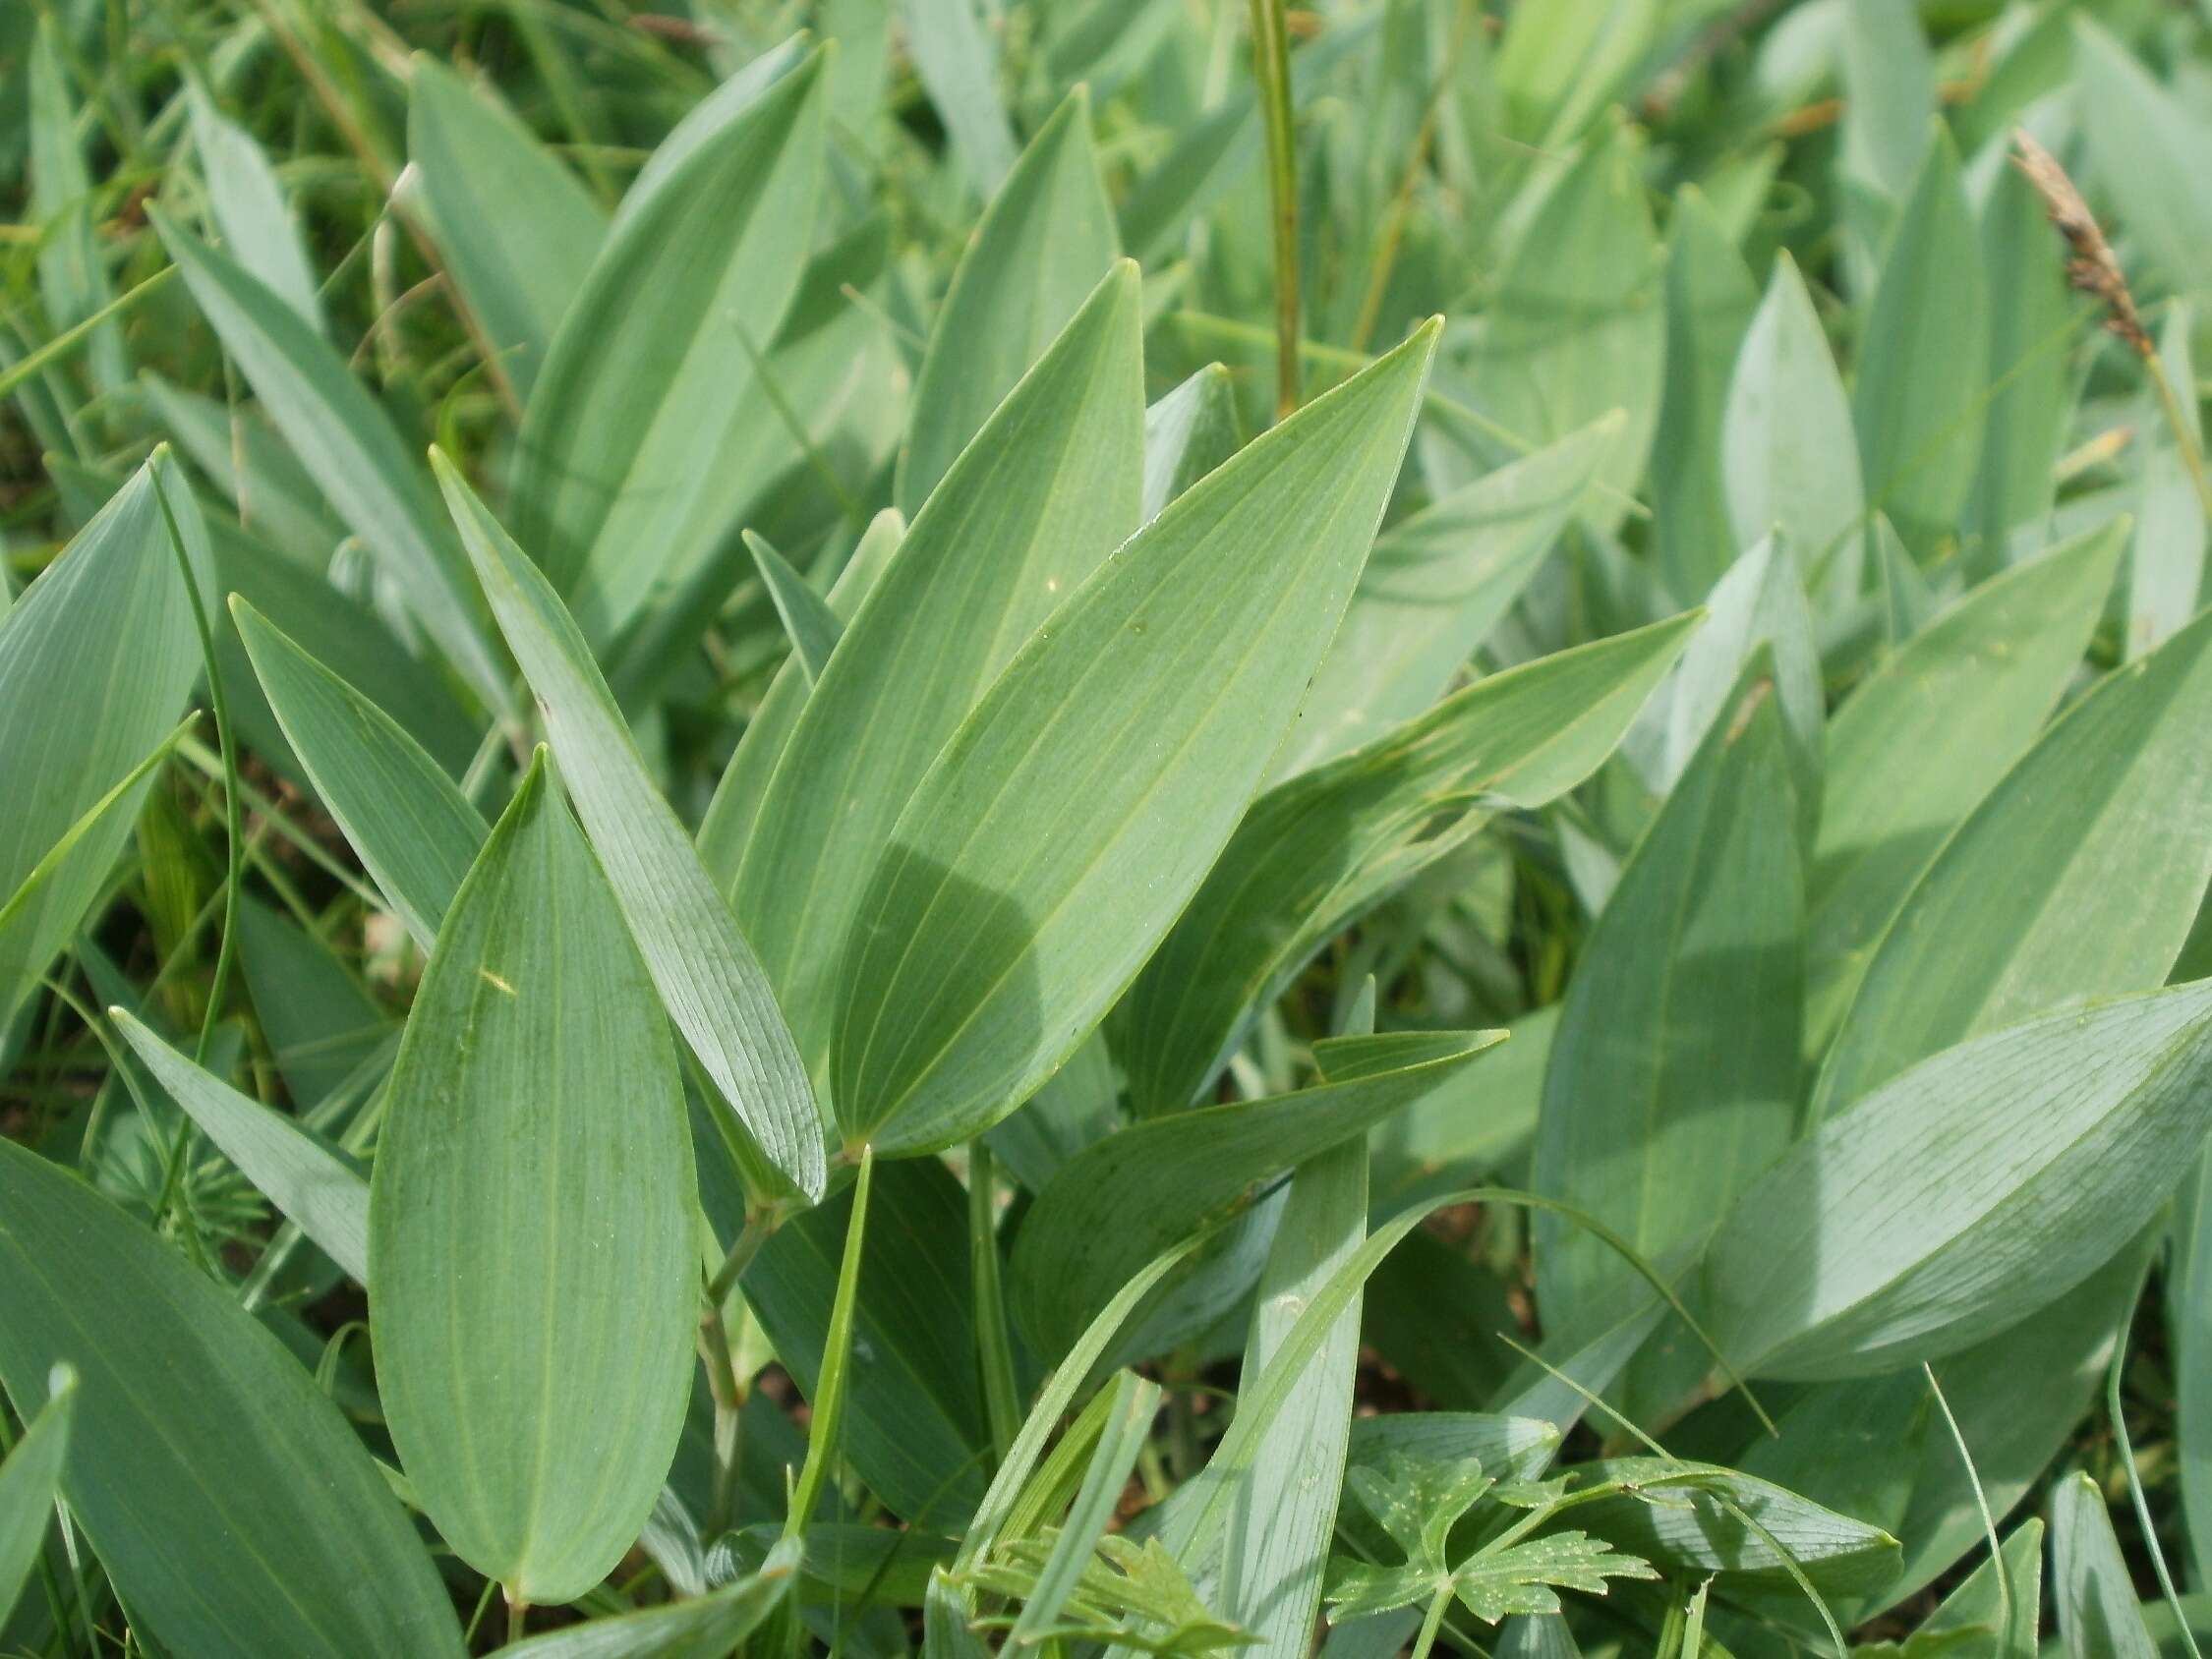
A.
pixel 1048 489
pixel 1919 396
pixel 348 447
pixel 1120 1202
pixel 29 1480
pixel 1045 242
pixel 414 832
pixel 1002 927
pixel 1674 1071
pixel 2020 910
pixel 619 451
pixel 1709 301
pixel 718 1622
pixel 728 828
pixel 1788 454
pixel 1435 588
pixel 705 971
pixel 95 660
pixel 1974 1188
pixel 1188 433
pixel 251 213
pixel 814 628
pixel 516 230
pixel 1913 749
pixel 318 1189
pixel 530 1221
pixel 2099 1616
pixel 2031 381
pixel 193 1427
pixel 1312 854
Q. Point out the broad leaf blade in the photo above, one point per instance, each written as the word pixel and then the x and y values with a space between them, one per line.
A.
pixel 211 1535
pixel 704 969
pixel 1046 240
pixel 530 1221
pixel 1000 928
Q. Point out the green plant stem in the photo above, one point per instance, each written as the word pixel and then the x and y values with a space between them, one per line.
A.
pixel 760 1226
pixel 2127 1448
pixel 70 338
pixel 837 1362
pixel 1434 1618
pixel 994 1345
pixel 1270 51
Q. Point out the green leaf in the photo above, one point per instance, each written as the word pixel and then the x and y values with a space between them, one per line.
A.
pixel 211 1537
pixel 958 66
pixel 73 278
pixel 1045 242
pixel 1047 489
pixel 320 1024
pixel 2119 783
pixel 1587 253
pixel 916 1432
pixel 1188 433
pixel 530 1221
pixel 1276 1549
pixel 1521 1578
pixel 619 477
pixel 1914 748
pixel 1116 1204
pixel 2166 565
pixel 2147 146
pixel 975 980
pixel 1919 396
pixel 1674 1071
pixel 1889 80
pixel 318 1189
pixel 516 231
pixel 1129 1419
pixel 734 810
pixel 718 1622
pixel 2099 1616
pixel 1981 1602
pixel 348 445
pixel 412 829
pixel 2031 382
pixel 1435 588
pixel 701 964
pixel 1314 853
pixel 1976 1187
pixel 814 628
pixel 1709 301
pixel 96 659
pixel 1697 1528
pixel 30 1482
pixel 250 214
pixel 1788 454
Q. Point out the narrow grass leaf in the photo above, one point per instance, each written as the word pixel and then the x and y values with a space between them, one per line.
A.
pixel 704 969
pixel 530 1221
pixel 73 278
pixel 412 829
pixel 1046 240
pixel 1000 928
pixel 1129 1419
pixel 958 66
pixel 319 1190
pixel 209 1533
pixel 1709 301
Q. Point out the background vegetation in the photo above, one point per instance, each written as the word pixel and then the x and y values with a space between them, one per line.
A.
pixel 1777 696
